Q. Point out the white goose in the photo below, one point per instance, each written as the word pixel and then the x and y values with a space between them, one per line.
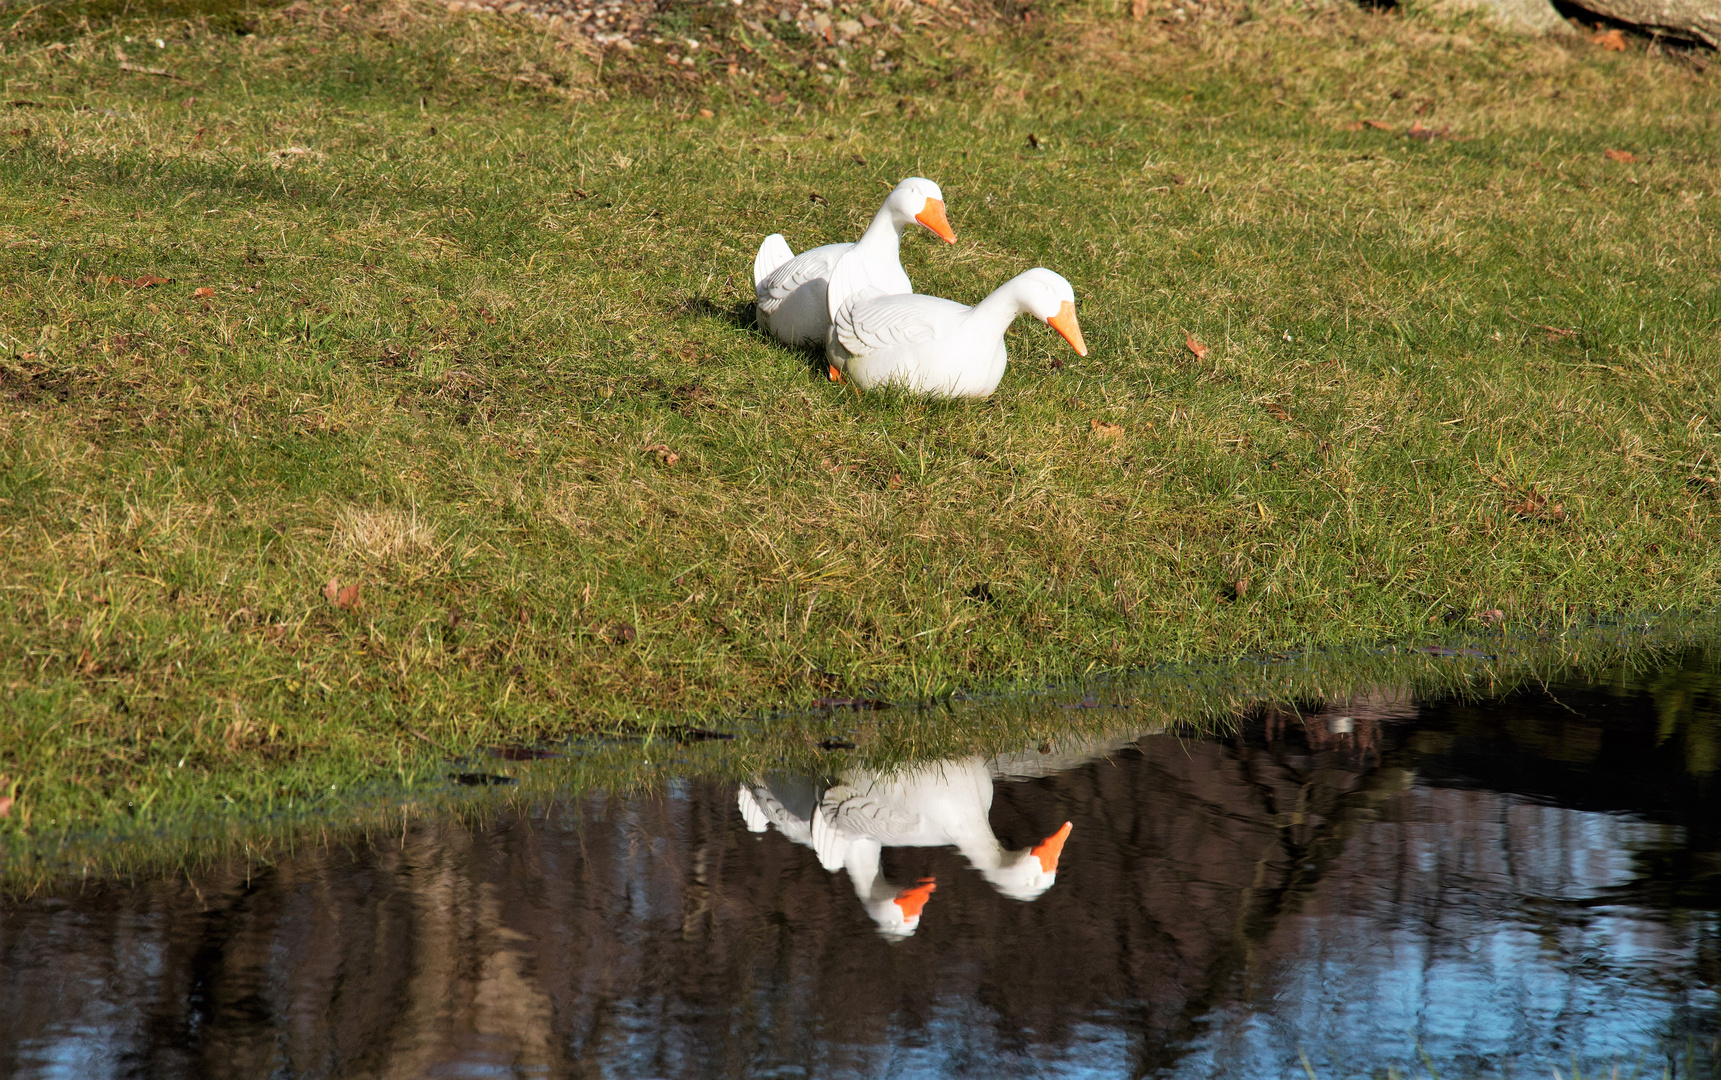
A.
pixel 937 347
pixel 941 804
pixel 793 290
pixel 791 803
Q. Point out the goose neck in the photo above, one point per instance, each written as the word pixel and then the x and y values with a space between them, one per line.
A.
pixel 884 235
pixel 993 315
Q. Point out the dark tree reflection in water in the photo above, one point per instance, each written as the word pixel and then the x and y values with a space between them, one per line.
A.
pixel 1502 886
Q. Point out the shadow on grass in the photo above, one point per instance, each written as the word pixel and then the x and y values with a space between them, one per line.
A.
pixel 57 20
pixel 743 315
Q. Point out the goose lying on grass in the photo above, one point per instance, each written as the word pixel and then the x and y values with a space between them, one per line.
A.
pixel 937 347
pixel 793 290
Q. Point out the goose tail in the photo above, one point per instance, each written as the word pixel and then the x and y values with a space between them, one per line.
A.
pixel 773 253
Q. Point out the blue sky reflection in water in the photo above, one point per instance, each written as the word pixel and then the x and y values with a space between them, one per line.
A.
pixel 1507 886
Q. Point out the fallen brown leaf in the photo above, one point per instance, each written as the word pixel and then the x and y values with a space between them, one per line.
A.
pixel 1428 134
pixel 1535 505
pixel 1378 125
pixel 1611 40
pixel 347 599
pixel 706 114
pixel 1195 346
pixel 1138 9
pixel 1105 430
pixel 5 806
pixel 1279 413
pixel 204 293
pixel 664 454
pixel 1624 157
pixel 1491 616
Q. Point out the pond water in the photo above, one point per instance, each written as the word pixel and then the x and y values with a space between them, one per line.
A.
pixel 1494 887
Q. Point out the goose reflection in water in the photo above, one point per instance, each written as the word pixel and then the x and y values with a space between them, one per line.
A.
pixel 849 822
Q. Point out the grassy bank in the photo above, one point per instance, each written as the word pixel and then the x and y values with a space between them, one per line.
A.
pixel 224 822
pixel 456 314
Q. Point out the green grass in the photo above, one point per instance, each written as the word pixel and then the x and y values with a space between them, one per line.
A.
pixel 464 281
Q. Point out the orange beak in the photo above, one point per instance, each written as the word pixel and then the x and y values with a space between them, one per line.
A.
pixel 933 218
pixel 911 901
pixel 836 376
pixel 1064 322
pixel 1049 851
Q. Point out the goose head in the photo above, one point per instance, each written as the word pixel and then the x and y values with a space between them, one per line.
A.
pixel 1027 874
pixel 1048 297
pixel 918 199
pixel 898 917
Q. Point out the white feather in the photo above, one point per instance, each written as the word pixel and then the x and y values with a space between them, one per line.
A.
pixel 773 253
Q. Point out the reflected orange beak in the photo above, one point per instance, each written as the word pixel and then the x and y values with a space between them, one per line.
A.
pixel 1049 851
pixel 933 218
pixel 1064 322
pixel 912 900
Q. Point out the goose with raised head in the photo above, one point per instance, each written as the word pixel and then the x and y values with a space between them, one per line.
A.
pixel 793 291
pixel 850 821
pixel 936 347
pixel 940 804
pixel 791 803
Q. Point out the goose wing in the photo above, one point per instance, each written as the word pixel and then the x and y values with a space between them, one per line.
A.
pixel 862 812
pixel 808 266
pixel 870 323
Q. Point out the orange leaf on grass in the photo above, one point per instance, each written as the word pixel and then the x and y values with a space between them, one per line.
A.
pixel 1195 346
pixel 1534 504
pixel 1378 125
pixel 204 293
pixel 1624 157
pixel 1611 40
pixel 346 599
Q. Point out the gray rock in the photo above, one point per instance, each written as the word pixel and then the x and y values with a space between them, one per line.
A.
pixel 1697 19
pixel 1528 16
